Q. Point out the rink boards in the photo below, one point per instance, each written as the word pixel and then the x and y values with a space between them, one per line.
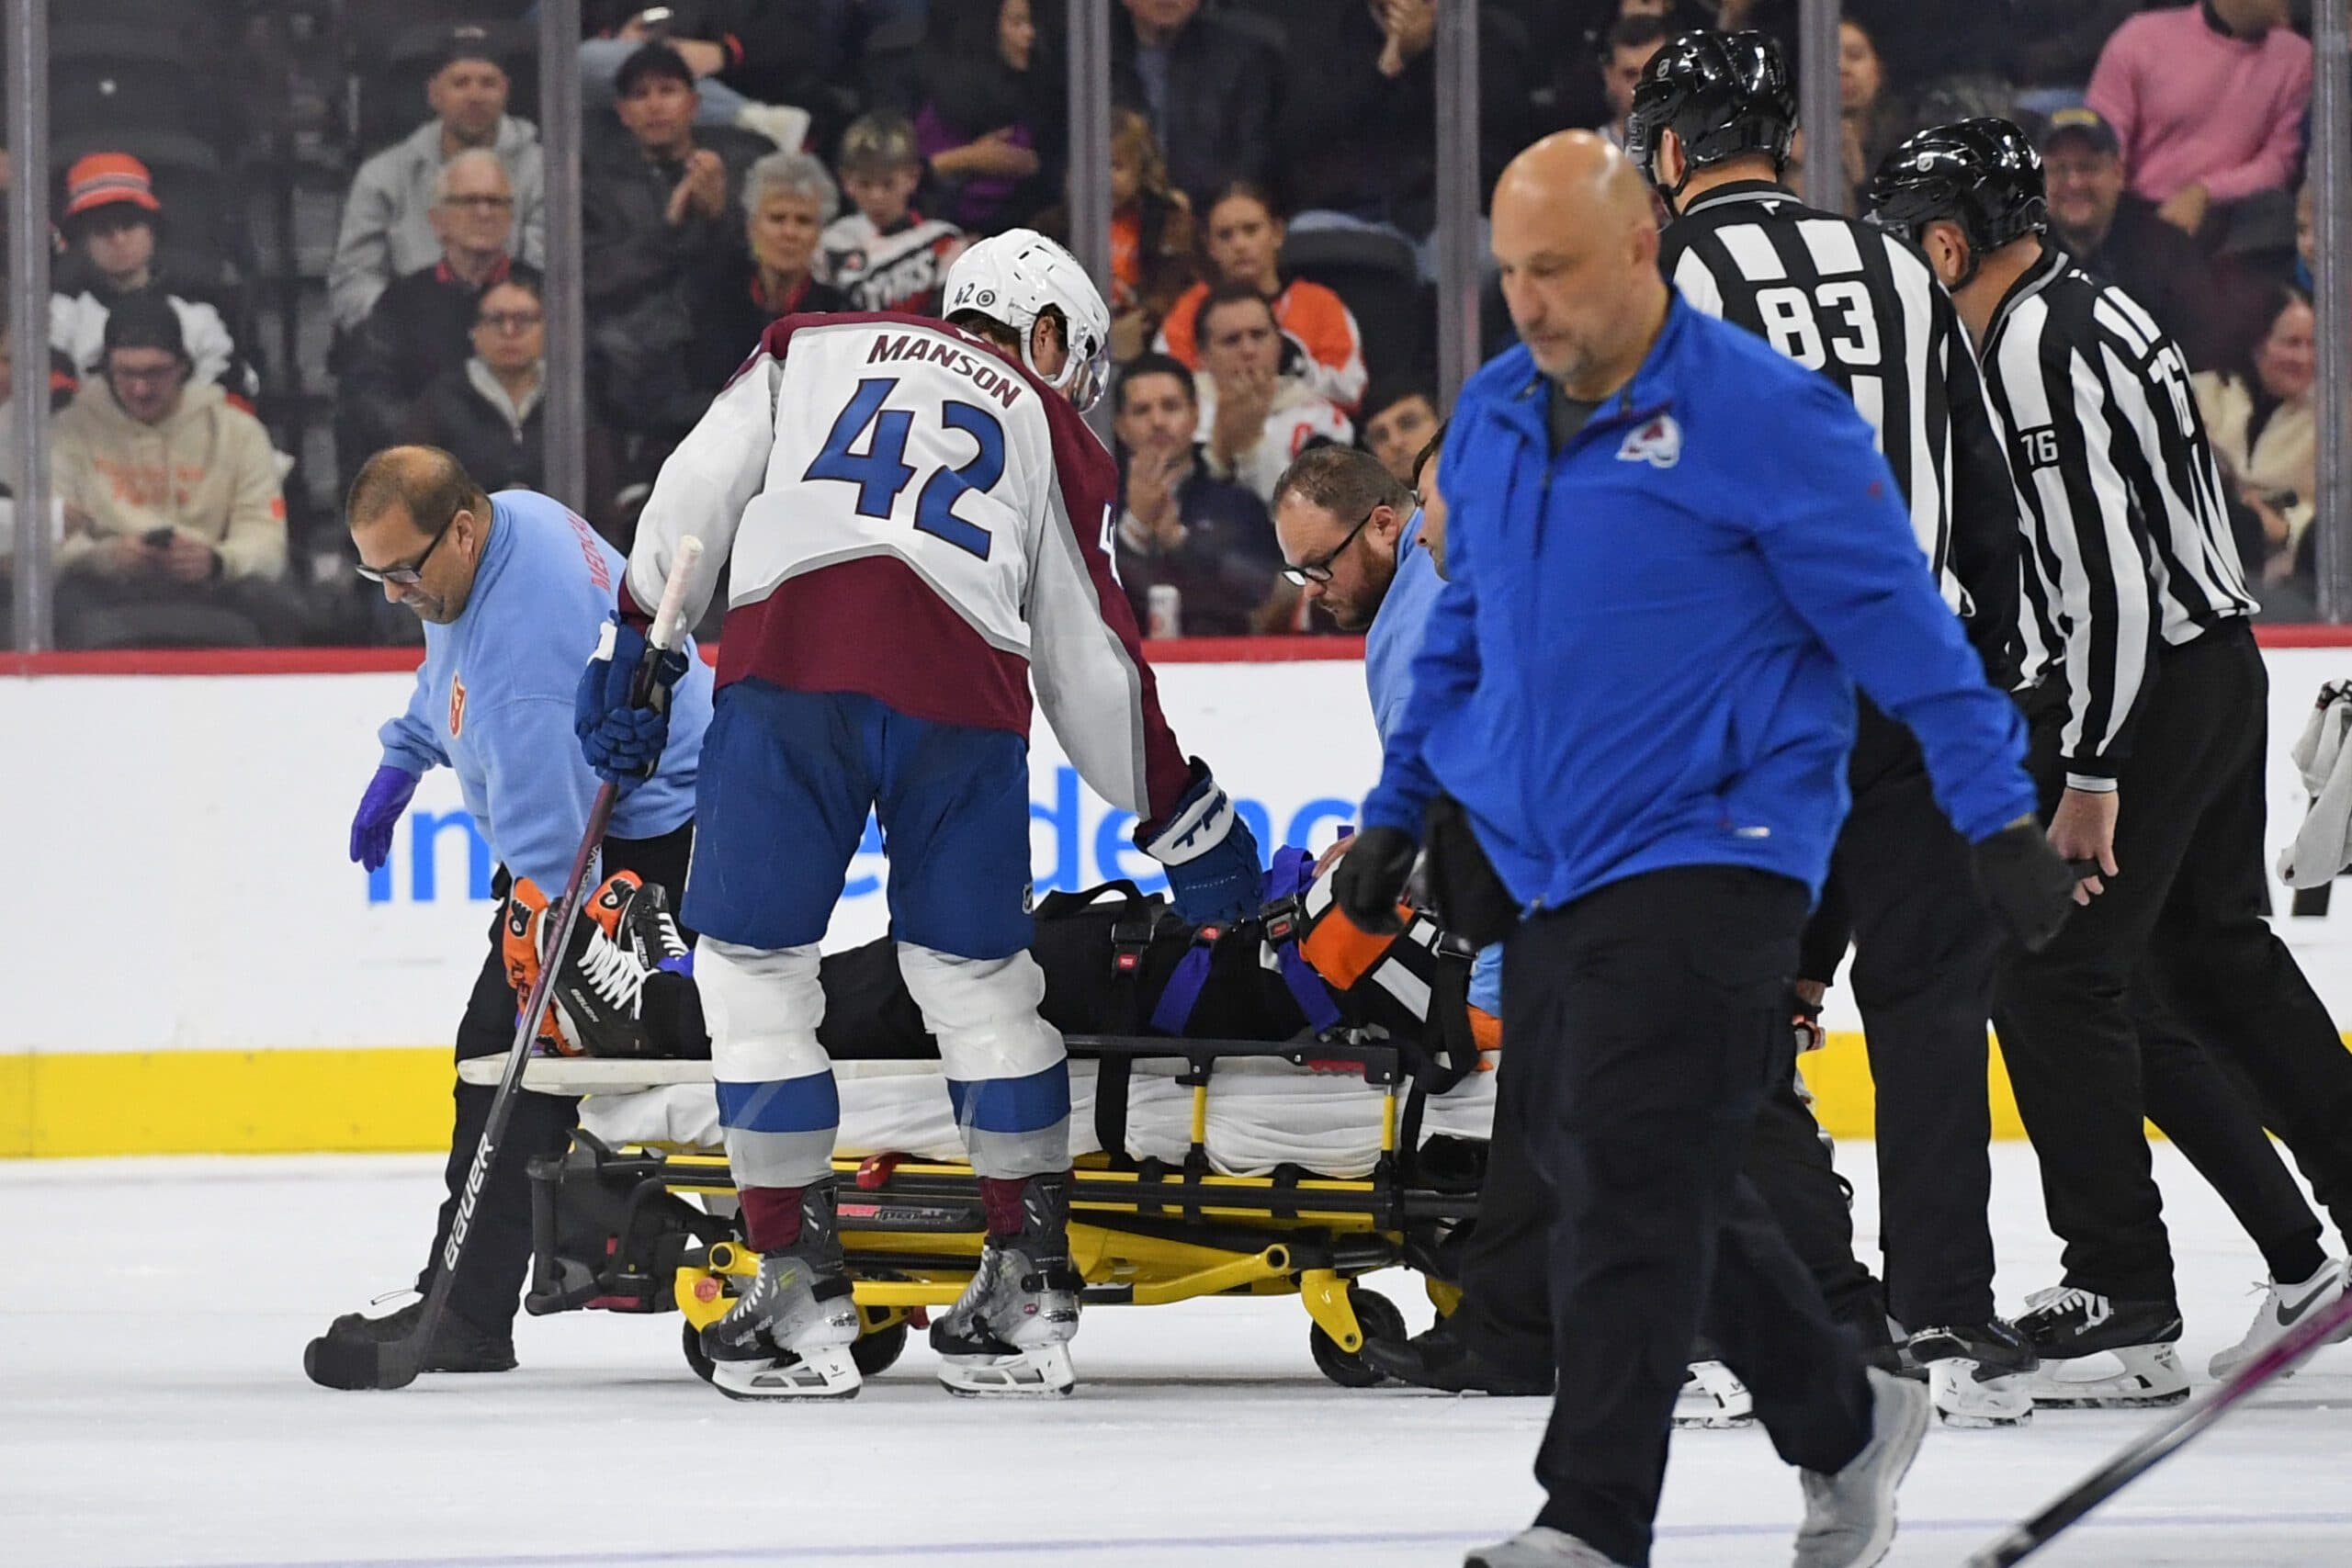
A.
pixel 200 968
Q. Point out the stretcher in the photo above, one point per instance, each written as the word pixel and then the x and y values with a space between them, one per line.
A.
pixel 1205 1168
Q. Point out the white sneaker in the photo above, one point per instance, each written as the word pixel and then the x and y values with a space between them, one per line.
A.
pixel 1712 1396
pixel 1539 1546
pixel 2284 1306
pixel 1849 1517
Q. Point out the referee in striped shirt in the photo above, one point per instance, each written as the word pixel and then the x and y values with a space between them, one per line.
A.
pixel 2149 743
pixel 1711 125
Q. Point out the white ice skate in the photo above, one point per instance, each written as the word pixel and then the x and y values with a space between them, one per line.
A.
pixel 2284 1306
pixel 1978 1375
pixel 1712 1396
pixel 789 1337
pixel 2098 1353
pixel 1010 1331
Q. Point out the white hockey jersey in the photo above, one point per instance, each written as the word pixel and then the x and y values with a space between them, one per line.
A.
pixel 909 515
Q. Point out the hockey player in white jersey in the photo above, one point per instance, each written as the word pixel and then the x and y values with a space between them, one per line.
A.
pixel 916 520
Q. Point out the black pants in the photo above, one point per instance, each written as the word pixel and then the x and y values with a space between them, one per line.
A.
pixel 1506 1310
pixel 2186 913
pixel 1924 950
pixel 1649 1023
pixel 497 1257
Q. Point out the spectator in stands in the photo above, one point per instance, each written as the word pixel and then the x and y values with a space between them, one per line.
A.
pixel 2262 417
pixel 788 199
pixel 387 222
pixel 1872 118
pixel 886 255
pixel 990 126
pixel 176 489
pixel 419 328
pixel 1245 247
pixel 1258 417
pixel 486 411
pixel 741 52
pixel 1357 123
pixel 658 219
pixel 1399 416
pixel 1625 52
pixel 111 227
pixel 2053 44
pixel 2116 236
pixel 1205 87
pixel 1152 236
pixel 2208 101
pixel 1205 541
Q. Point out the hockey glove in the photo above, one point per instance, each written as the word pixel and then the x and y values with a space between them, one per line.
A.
pixel 1215 875
pixel 2027 882
pixel 623 732
pixel 379 808
pixel 1371 878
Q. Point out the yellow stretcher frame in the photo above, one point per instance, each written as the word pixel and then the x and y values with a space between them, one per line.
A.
pixel 1139 1236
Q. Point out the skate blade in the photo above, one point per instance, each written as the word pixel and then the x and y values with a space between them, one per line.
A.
pixel 2143 1377
pixel 1967 1401
pixel 1713 1420
pixel 824 1372
pixel 1026 1374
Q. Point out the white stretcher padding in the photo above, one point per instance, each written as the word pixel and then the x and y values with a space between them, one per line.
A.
pixel 1262 1111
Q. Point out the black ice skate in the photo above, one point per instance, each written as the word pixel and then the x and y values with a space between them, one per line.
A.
pixel 1010 1331
pixel 619 991
pixel 789 1337
pixel 2099 1353
pixel 1978 1373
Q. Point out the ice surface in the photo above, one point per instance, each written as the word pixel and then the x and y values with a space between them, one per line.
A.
pixel 153 1411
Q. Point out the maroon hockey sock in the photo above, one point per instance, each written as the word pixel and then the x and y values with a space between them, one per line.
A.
pixel 771 1217
pixel 1000 1196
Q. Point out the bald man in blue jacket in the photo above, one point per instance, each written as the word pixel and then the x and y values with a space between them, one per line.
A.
pixel 1672 553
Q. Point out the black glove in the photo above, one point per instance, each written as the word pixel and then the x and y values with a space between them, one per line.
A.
pixel 1371 878
pixel 2025 882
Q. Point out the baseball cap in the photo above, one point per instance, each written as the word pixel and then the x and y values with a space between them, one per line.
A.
pixel 2085 122
pixel 467 41
pixel 102 179
pixel 878 141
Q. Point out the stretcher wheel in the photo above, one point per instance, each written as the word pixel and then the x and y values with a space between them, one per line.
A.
pixel 878 1349
pixel 1379 1319
pixel 692 1339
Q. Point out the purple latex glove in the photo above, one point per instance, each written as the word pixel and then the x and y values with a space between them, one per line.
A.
pixel 379 808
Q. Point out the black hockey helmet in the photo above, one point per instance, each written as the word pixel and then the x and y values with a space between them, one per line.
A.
pixel 1723 95
pixel 1982 175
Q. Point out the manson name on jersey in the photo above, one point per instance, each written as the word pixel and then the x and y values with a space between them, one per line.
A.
pixel 993 380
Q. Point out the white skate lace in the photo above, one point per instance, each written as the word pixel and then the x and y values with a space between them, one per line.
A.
pixel 614 972
pixel 2096 1309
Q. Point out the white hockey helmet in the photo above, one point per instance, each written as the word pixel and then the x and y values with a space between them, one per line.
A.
pixel 1012 279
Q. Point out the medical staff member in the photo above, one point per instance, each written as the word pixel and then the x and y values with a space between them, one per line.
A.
pixel 1671 554
pixel 513 590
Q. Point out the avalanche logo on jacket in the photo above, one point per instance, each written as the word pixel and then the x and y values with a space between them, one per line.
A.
pixel 1658 443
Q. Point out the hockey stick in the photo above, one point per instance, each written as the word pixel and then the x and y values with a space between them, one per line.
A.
pixel 2144 1452
pixel 397 1361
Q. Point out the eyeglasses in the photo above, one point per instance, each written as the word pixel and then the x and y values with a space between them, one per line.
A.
pixel 481 201
pixel 510 321
pixel 409 576
pixel 144 374
pixel 1319 569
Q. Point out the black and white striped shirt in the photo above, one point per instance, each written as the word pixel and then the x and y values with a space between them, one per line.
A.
pixel 2128 541
pixel 1860 305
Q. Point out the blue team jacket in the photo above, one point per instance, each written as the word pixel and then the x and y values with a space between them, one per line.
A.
pixel 493 699
pixel 1645 652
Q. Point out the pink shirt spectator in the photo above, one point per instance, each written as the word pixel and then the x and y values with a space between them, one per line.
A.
pixel 2194 106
